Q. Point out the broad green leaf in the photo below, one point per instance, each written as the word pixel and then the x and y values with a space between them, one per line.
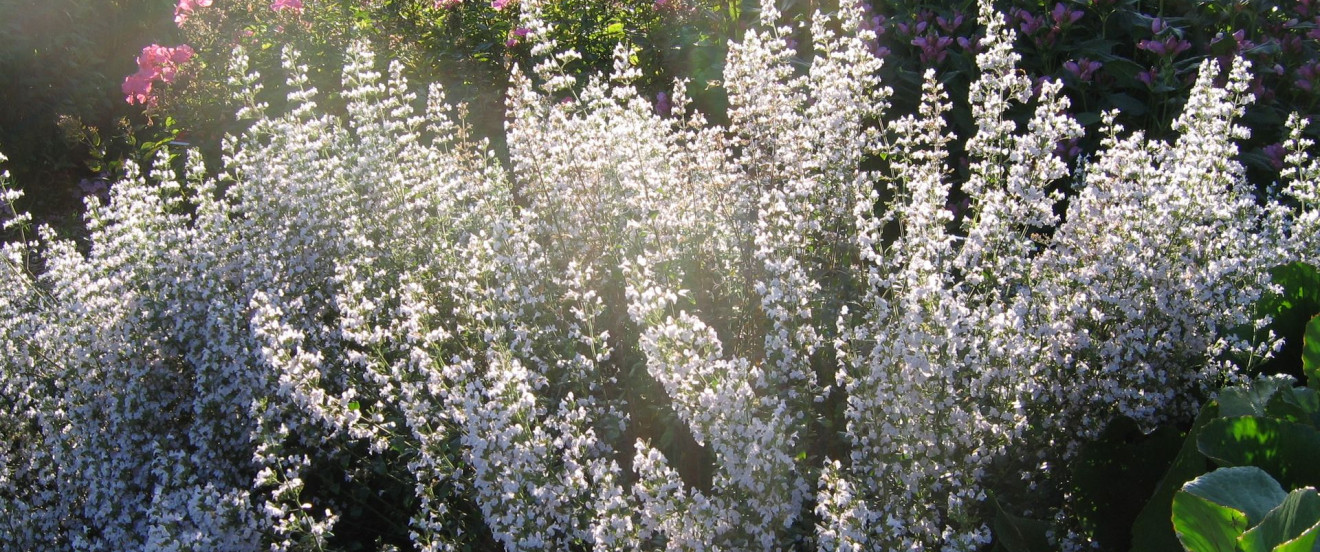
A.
pixel 1248 490
pixel 1252 399
pixel 1203 526
pixel 1307 542
pixel 1127 104
pixel 1299 404
pixel 1298 513
pixel 1311 353
pixel 1286 450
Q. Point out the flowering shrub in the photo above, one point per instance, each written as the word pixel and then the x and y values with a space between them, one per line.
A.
pixel 156 63
pixel 378 296
pixel 467 45
pixel 1140 58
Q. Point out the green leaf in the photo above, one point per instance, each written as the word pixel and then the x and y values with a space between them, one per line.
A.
pixel 1019 534
pixel 1290 312
pixel 1298 404
pixel 1298 514
pixel 1248 490
pixel 1307 542
pixel 1252 399
pixel 1203 526
pixel 1301 290
pixel 1311 353
pixel 354 406
pixel 1130 106
pixel 1286 450
pixel 1087 118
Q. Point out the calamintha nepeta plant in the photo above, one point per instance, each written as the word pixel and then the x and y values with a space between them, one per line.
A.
pixel 863 366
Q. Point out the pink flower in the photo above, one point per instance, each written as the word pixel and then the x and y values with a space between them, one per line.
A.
pixel 500 4
pixel 186 7
pixel 137 89
pixel 181 54
pixel 156 62
pixel 516 37
pixel 296 6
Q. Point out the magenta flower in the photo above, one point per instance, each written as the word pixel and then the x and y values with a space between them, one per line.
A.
pixel 951 24
pixel 186 7
pixel 1148 77
pixel 1171 46
pixel 1028 23
pixel 499 5
pixel 137 89
pixel 1307 76
pixel 1064 17
pixel 933 48
pixel 1084 69
pixel 516 37
pixel 156 62
pixel 295 6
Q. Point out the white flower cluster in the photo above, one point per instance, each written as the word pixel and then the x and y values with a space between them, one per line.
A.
pixel 380 293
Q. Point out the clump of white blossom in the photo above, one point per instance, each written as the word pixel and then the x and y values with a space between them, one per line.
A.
pixel 862 366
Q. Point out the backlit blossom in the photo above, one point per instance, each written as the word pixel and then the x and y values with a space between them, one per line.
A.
pixel 185 8
pixel 156 62
pixel 295 6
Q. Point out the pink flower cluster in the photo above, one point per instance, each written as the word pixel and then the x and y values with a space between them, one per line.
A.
pixel 295 6
pixel 186 7
pixel 155 63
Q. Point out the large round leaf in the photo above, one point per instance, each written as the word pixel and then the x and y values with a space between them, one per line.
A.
pixel 1286 450
pixel 1212 511
pixel 1296 515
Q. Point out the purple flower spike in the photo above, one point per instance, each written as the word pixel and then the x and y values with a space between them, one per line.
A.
pixel 933 48
pixel 1084 69
pixel 1171 46
pixel 662 105
pixel 1148 77
pixel 950 25
pixel 1063 16
pixel 1274 154
pixel 969 45
pixel 1030 24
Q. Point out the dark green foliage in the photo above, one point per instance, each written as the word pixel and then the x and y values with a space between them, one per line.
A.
pixel 1121 453
pixel 61 66
pixel 1290 311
